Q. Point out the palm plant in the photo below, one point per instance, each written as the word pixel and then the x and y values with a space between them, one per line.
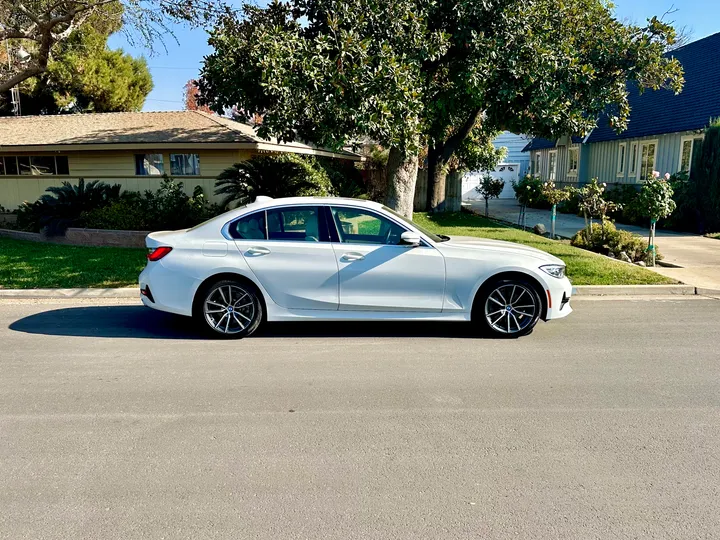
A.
pixel 63 205
pixel 273 176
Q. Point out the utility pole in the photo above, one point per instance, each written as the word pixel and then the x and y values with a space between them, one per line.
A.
pixel 15 90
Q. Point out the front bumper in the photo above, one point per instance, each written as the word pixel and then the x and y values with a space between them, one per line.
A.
pixel 559 292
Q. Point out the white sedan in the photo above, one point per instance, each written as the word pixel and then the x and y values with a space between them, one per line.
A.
pixel 331 259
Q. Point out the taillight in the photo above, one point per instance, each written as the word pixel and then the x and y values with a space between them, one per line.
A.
pixel 158 253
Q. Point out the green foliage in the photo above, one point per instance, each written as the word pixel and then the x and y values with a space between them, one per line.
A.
pixel 63 206
pixel 628 210
pixel 706 176
pixel 489 187
pixel 606 239
pixel 685 216
pixel 167 208
pixel 84 75
pixel 591 200
pixel 345 177
pixel 553 195
pixel 283 175
pixel 655 198
pixel 529 192
pixel 410 73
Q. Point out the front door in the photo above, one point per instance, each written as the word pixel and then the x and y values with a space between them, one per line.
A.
pixel 377 272
pixel 289 251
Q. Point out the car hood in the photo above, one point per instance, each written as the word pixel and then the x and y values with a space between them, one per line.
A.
pixel 476 245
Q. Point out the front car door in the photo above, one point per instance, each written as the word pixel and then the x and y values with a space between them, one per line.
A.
pixel 376 271
pixel 288 250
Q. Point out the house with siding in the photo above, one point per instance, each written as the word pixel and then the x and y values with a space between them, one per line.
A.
pixel 131 149
pixel 663 133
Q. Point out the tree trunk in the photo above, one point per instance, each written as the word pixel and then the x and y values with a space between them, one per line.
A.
pixel 401 175
pixel 439 160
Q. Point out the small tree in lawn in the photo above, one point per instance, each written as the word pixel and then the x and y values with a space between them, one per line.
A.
pixel 656 202
pixel 554 196
pixel 489 188
pixel 593 205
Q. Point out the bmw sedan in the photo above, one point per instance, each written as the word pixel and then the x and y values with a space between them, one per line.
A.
pixel 332 259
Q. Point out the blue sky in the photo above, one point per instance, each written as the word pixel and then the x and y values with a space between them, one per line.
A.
pixel 182 61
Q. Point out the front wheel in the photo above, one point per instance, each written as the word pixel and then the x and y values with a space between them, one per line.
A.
pixel 229 309
pixel 508 308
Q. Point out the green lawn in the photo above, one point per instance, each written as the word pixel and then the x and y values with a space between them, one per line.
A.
pixel 29 265
pixel 35 265
pixel 583 267
pixel 715 235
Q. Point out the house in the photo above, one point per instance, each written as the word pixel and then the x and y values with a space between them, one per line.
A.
pixel 663 133
pixel 131 149
pixel 512 168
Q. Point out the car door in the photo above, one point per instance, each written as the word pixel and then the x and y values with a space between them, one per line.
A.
pixel 288 250
pixel 376 271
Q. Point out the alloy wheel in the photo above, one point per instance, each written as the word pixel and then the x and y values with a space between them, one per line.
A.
pixel 229 309
pixel 511 308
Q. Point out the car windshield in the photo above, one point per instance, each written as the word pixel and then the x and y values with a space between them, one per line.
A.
pixel 434 237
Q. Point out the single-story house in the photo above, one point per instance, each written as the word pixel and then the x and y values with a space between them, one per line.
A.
pixel 663 133
pixel 133 149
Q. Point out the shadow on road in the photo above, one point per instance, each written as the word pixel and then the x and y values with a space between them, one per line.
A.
pixel 140 322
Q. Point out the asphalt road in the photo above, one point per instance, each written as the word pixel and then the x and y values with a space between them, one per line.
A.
pixel 119 423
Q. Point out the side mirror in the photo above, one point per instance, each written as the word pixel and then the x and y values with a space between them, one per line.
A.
pixel 410 238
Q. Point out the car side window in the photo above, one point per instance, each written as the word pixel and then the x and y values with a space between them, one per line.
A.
pixel 250 227
pixel 358 226
pixel 298 223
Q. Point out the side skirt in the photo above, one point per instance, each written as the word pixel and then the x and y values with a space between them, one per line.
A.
pixel 278 314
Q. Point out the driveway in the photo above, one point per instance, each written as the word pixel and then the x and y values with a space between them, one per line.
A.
pixel 697 256
pixel 118 422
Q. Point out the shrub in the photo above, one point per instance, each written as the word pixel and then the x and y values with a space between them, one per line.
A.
pixel 345 177
pixel 65 204
pixel 706 175
pixel 606 239
pixel 166 208
pixel 626 197
pixel 685 216
pixel 529 192
pixel 489 188
pixel 283 175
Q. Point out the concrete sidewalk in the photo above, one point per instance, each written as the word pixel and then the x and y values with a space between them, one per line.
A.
pixel 697 256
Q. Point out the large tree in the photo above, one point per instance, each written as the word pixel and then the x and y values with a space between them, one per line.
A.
pixel 84 75
pixel 410 73
pixel 38 28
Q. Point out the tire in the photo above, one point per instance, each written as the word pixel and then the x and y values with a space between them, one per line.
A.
pixel 508 308
pixel 229 309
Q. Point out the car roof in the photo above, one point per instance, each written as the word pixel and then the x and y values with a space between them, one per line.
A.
pixel 267 202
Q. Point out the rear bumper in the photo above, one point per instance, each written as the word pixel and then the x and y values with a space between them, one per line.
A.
pixel 165 290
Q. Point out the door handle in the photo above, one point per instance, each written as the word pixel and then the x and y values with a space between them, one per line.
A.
pixel 352 256
pixel 257 251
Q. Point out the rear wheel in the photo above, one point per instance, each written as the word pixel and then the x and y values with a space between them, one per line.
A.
pixel 229 309
pixel 508 308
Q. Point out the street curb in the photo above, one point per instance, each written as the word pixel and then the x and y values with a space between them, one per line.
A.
pixel 640 290
pixel 124 292
pixel 579 290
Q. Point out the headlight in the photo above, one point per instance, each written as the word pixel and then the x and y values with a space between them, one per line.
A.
pixel 555 270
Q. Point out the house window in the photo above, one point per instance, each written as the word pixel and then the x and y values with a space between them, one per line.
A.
pixel 633 159
pixel 622 157
pixel 648 151
pixel 552 165
pixel 149 165
pixel 688 147
pixel 536 163
pixel 184 164
pixel 34 165
pixel 573 155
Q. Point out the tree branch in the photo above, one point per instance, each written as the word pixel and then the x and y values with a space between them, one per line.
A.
pixel 20 77
pixel 454 141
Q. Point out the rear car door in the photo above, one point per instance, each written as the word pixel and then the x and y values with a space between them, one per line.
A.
pixel 288 250
pixel 377 272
